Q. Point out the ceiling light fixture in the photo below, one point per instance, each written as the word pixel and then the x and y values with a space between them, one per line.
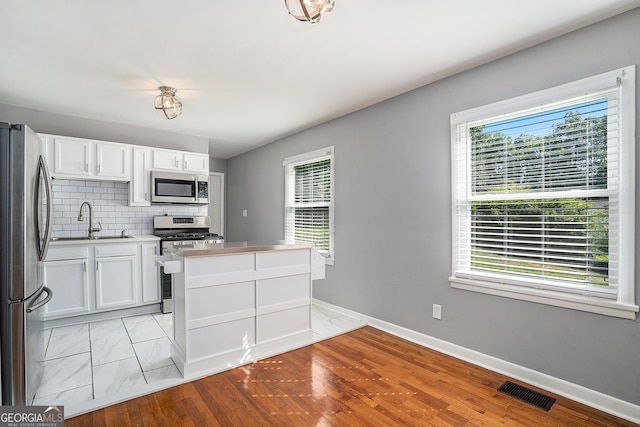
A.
pixel 308 10
pixel 167 104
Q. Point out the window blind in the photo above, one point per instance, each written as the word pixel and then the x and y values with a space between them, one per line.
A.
pixel 537 200
pixel 309 201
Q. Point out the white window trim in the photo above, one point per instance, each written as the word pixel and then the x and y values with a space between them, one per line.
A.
pixel 312 156
pixel 623 305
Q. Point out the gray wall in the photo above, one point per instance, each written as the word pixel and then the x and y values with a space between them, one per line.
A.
pixel 58 124
pixel 393 215
pixel 217 165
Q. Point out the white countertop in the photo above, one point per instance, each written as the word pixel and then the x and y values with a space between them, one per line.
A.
pixel 104 240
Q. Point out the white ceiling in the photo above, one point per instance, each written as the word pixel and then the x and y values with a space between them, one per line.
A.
pixel 247 72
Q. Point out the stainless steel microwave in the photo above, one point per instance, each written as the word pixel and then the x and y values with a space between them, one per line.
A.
pixel 179 188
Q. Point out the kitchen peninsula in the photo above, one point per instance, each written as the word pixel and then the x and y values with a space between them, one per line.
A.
pixel 239 302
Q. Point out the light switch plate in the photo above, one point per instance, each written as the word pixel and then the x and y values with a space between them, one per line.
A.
pixel 437 311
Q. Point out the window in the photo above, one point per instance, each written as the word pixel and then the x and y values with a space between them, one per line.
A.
pixel 543 196
pixel 309 200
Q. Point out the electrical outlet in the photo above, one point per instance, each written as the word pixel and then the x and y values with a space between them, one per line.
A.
pixel 437 311
pixel 244 213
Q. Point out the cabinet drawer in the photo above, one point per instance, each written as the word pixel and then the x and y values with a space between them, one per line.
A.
pixel 115 250
pixel 59 253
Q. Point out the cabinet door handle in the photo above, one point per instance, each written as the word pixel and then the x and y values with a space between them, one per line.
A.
pixel 176 162
pixel 97 266
pixel 86 167
pixel 99 167
pixel 185 165
pixel 84 266
pixel 146 196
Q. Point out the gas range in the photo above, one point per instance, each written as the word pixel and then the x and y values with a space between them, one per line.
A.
pixel 184 230
pixel 188 239
pixel 188 236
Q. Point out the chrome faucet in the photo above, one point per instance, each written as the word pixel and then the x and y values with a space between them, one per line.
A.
pixel 92 229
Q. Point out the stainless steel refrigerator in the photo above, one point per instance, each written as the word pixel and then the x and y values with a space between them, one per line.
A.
pixel 25 227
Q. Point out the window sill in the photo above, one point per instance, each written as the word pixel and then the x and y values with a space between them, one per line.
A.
pixel 573 301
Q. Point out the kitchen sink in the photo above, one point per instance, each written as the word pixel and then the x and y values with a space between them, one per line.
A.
pixel 71 239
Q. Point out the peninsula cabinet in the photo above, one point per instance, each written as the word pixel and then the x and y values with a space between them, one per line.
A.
pixel 235 304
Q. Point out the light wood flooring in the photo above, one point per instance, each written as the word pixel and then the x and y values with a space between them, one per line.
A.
pixel 362 378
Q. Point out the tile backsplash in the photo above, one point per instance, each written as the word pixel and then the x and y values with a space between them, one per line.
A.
pixel 110 206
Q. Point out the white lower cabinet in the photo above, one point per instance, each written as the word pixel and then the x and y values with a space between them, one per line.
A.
pixel 69 281
pixel 87 279
pixel 116 276
pixel 150 274
pixel 115 282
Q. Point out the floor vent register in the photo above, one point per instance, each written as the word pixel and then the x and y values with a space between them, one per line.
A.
pixel 527 395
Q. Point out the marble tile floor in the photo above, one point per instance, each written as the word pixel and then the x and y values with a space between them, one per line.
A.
pixel 88 363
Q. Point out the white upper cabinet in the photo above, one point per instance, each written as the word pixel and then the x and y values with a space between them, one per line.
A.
pixel 75 158
pixel 166 160
pixel 71 157
pixel 179 161
pixel 139 187
pixel 195 163
pixel 112 161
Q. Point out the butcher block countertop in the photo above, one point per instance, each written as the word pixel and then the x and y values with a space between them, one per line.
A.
pixel 230 248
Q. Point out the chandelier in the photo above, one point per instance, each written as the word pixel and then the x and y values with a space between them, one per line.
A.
pixel 308 10
pixel 167 104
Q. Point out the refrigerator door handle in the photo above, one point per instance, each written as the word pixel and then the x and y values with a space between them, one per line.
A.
pixel 44 172
pixel 36 306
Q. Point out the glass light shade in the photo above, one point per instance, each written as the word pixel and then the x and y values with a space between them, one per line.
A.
pixel 308 10
pixel 167 104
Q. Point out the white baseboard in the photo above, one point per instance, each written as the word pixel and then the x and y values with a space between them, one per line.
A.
pixel 578 393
